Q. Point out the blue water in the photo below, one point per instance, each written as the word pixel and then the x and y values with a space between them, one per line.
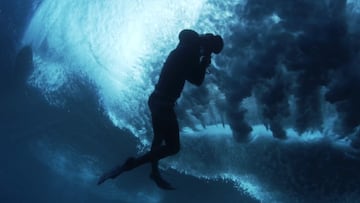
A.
pixel 277 119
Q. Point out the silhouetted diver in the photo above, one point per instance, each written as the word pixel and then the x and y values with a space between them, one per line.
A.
pixel 187 62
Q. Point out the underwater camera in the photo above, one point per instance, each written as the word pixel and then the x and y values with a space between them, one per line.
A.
pixel 211 43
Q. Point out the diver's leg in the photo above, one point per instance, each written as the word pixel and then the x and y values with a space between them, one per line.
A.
pixel 166 128
pixel 172 137
pixel 156 115
pixel 157 142
pixel 170 130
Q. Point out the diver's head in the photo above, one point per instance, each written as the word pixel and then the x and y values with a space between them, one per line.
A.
pixel 189 37
pixel 211 43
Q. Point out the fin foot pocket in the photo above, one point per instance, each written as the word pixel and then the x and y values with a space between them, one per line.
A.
pixel 160 182
pixel 115 172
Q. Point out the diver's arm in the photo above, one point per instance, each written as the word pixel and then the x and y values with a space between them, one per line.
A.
pixel 196 71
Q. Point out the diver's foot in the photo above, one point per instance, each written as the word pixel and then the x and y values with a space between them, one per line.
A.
pixel 129 164
pixel 160 182
pixel 115 172
pixel 104 177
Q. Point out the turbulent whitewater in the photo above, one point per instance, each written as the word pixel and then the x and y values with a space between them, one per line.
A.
pixel 277 117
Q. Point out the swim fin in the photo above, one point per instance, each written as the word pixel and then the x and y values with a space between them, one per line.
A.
pixel 115 172
pixel 160 182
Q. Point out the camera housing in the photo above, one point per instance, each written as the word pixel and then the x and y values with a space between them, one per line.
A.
pixel 211 43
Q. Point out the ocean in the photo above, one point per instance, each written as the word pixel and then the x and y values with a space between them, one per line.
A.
pixel 277 119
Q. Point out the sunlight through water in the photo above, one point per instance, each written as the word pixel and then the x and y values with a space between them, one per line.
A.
pixel 117 48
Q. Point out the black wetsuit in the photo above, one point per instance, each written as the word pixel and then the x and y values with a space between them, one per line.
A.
pixel 183 64
pixel 187 62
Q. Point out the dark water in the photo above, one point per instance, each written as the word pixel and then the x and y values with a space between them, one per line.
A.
pixel 71 107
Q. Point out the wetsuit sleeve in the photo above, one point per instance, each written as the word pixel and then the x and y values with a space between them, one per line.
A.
pixel 197 69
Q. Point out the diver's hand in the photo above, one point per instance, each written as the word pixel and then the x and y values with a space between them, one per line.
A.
pixel 205 61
